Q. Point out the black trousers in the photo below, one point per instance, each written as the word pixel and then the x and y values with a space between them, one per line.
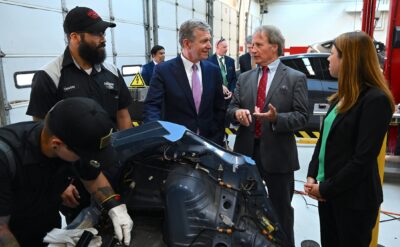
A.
pixel 345 227
pixel 280 191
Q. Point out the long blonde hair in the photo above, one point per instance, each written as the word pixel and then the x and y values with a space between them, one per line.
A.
pixel 359 68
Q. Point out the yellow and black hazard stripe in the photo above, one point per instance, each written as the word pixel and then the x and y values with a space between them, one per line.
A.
pixel 231 131
pixel 307 134
pixel 306 137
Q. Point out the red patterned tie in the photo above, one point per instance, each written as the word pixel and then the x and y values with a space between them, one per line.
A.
pixel 262 86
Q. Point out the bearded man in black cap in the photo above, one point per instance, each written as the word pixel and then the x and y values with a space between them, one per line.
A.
pixel 33 155
pixel 82 72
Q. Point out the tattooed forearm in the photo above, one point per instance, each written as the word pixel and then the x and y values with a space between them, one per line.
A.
pixel 7 239
pixel 103 193
pixel 99 188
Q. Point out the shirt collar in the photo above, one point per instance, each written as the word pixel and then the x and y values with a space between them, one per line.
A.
pixel 272 67
pixel 187 64
pixel 69 60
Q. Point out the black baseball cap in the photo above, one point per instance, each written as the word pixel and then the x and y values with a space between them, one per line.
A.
pixel 85 127
pixel 83 19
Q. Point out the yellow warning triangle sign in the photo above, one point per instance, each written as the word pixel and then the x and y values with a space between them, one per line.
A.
pixel 137 81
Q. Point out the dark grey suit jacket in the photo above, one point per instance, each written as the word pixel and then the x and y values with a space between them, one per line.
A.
pixel 288 93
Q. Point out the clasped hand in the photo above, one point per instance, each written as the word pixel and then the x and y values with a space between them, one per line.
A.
pixel 311 188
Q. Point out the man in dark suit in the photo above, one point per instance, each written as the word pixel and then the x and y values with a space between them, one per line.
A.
pixel 188 90
pixel 270 103
pixel 158 56
pixel 226 65
pixel 245 60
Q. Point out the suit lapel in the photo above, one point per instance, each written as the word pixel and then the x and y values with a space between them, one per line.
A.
pixel 206 77
pixel 339 117
pixel 253 79
pixel 215 59
pixel 182 80
pixel 152 65
pixel 278 78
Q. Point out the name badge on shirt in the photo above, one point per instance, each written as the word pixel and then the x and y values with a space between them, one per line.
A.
pixel 109 85
pixel 69 88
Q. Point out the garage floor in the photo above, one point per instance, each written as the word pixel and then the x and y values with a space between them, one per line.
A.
pixel 306 213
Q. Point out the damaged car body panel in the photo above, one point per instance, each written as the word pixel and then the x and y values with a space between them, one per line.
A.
pixel 184 190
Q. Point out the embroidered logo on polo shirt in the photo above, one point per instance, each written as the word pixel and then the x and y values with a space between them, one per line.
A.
pixel 69 88
pixel 109 85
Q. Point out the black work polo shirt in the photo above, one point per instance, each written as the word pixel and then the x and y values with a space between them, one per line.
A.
pixel 63 78
pixel 32 196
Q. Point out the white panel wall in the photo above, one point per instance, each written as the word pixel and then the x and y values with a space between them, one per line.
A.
pixel 29 41
pixel 129 41
pixel 304 22
pixel 170 15
pixel 225 25
pixel 200 9
pixel 167 27
pixel 251 9
pixel 100 6
pixel 32 33
pixel 35 36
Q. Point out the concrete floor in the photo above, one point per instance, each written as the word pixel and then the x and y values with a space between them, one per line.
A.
pixel 306 216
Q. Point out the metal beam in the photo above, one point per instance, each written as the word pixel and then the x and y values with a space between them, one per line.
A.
pixel 368 17
pixel 4 107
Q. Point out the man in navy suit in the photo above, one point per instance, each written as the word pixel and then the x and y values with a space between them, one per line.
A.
pixel 158 56
pixel 245 60
pixel 187 90
pixel 226 65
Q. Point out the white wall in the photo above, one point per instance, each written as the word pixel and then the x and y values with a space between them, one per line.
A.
pixel 251 10
pixel 304 22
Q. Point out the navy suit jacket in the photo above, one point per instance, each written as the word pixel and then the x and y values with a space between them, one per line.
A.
pixel 230 70
pixel 170 98
pixel 245 62
pixel 147 72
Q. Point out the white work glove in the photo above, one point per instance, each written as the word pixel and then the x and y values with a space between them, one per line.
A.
pixel 122 223
pixel 61 237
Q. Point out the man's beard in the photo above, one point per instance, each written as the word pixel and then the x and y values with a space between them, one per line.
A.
pixel 92 55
